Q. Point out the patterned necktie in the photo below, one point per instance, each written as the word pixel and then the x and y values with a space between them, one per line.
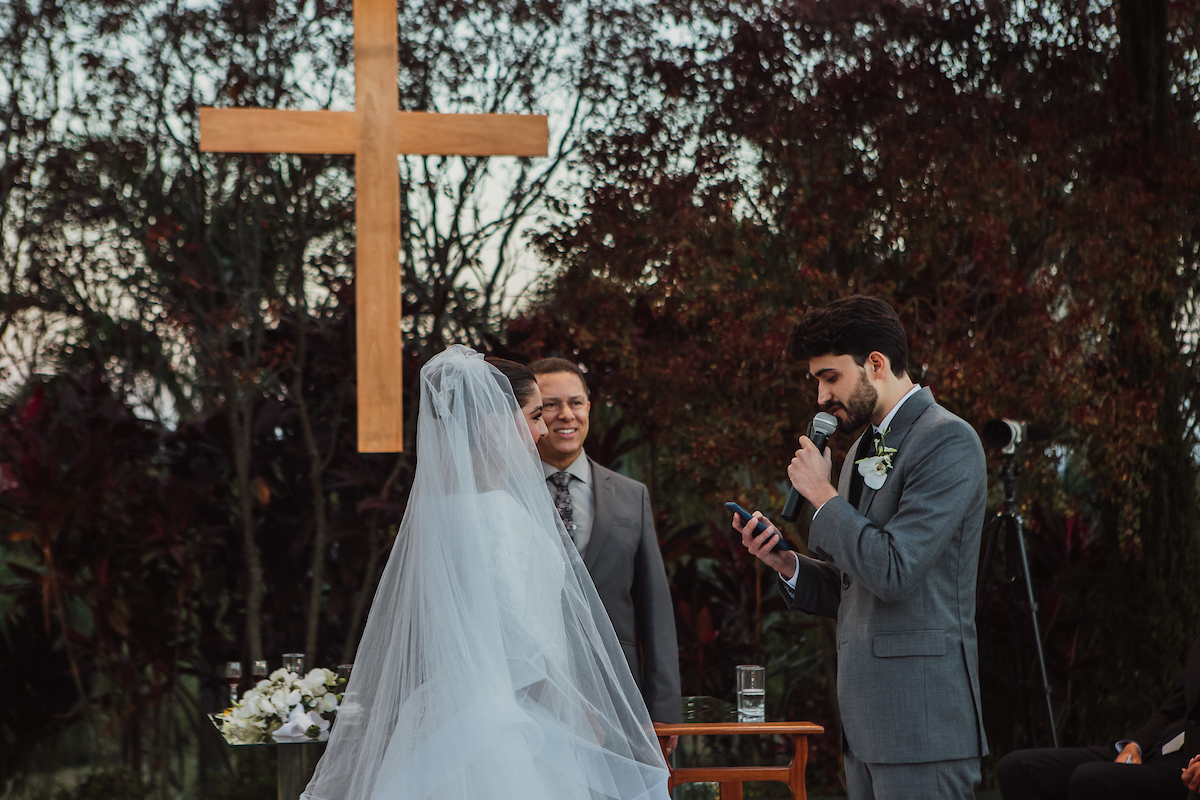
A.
pixel 562 500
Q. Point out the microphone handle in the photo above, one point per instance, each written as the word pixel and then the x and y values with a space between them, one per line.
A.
pixel 791 507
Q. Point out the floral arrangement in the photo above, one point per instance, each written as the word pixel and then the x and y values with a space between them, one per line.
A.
pixel 874 469
pixel 284 707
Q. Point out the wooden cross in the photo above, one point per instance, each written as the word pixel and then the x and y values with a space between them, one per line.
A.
pixel 376 132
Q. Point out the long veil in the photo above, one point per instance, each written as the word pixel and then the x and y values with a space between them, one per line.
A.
pixel 488 667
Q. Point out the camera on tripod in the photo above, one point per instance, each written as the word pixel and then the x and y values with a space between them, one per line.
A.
pixel 1006 434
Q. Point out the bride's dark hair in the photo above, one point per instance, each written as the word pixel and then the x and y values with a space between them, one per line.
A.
pixel 522 379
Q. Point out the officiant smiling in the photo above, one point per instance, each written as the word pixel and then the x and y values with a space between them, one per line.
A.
pixel 609 519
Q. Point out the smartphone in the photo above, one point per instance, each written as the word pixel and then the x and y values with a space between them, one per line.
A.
pixel 780 543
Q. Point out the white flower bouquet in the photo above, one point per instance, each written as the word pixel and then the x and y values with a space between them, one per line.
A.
pixel 283 707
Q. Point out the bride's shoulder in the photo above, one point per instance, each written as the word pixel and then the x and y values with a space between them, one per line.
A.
pixel 500 499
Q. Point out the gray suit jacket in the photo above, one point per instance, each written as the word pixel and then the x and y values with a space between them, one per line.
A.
pixel 899 574
pixel 627 567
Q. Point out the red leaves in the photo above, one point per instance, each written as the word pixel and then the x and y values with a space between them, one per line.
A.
pixel 972 164
pixel 84 531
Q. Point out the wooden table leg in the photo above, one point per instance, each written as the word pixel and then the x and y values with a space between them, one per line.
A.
pixel 731 790
pixel 798 765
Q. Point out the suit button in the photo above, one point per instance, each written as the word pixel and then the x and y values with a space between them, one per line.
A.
pixel 845 582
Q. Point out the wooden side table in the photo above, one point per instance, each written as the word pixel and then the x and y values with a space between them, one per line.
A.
pixel 731 778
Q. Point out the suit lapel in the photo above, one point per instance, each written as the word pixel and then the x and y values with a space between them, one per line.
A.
pixel 896 433
pixel 848 469
pixel 604 502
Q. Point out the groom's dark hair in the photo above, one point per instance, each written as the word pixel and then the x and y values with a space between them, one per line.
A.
pixel 856 326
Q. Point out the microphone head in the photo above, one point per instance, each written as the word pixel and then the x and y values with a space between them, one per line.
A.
pixel 825 423
pixel 821 428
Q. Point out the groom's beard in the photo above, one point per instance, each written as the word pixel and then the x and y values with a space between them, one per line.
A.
pixel 858 407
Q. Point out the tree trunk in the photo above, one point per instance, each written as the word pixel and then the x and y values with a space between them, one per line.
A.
pixel 1160 520
pixel 316 470
pixel 1143 30
pixel 371 573
pixel 241 415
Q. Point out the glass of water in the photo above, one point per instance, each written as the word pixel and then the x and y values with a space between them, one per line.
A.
pixel 751 692
pixel 294 662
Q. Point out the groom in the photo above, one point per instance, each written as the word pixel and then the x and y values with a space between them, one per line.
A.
pixel 609 519
pixel 897 553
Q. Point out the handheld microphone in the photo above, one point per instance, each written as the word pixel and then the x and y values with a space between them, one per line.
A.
pixel 819 430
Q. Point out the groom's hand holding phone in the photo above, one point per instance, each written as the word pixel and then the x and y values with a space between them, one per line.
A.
pixel 762 543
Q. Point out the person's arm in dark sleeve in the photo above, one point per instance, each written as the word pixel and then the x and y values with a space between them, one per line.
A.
pixel 1174 709
pixel 817 588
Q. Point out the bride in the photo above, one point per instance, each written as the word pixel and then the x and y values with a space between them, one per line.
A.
pixel 488 668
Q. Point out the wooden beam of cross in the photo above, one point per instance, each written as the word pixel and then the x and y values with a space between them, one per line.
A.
pixel 376 132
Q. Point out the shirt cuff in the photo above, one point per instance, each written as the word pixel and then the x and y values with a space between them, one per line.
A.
pixel 1121 746
pixel 818 511
pixel 791 582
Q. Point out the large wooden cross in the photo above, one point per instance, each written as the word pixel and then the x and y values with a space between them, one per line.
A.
pixel 376 132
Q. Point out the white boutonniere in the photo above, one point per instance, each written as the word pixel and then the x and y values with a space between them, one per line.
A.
pixel 874 469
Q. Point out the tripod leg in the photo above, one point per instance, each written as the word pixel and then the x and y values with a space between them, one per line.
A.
pixel 1037 633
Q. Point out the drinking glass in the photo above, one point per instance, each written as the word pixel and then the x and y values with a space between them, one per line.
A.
pixel 233 676
pixel 751 692
pixel 343 673
pixel 258 670
pixel 294 662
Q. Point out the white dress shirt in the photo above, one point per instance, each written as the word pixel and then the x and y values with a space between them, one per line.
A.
pixel 582 498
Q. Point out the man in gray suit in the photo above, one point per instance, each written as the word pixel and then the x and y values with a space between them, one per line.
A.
pixel 609 519
pixel 897 548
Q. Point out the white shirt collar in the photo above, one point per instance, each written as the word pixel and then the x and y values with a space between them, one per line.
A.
pixel 580 468
pixel 887 421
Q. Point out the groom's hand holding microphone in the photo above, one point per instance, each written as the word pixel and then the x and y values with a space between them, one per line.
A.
pixel 809 474
pixel 810 468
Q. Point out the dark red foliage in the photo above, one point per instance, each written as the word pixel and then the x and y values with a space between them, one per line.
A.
pixel 999 174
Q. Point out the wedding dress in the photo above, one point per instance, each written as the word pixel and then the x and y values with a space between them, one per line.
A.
pixel 488 669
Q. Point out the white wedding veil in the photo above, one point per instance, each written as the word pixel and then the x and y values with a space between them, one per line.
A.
pixel 488 669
